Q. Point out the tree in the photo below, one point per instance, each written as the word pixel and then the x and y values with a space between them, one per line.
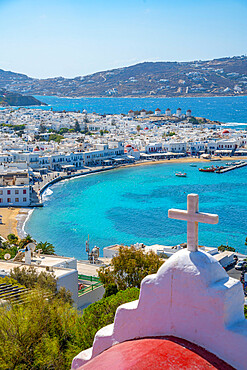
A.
pixel 245 242
pixel 138 128
pixel 46 333
pixel 129 268
pixel 42 128
pixel 47 248
pixel 102 313
pixel 30 278
pixel 12 238
pixel 223 248
pixel 77 126
pixel 39 334
pixel 56 137
pixel 23 242
pixel 63 130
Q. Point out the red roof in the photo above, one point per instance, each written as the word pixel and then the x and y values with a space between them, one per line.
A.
pixel 179 109
pixel 146 128
pixel 131 111
pixel 128 146
pixel 156 353
pixel 157 110
pixel 168 109
pixel 225 132
pixel 36 150
pixel 188 110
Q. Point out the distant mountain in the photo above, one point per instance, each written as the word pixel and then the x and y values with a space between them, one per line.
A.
pixel 14 99
pixel 218 77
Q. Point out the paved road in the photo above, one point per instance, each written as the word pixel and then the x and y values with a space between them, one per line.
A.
pixel 234 273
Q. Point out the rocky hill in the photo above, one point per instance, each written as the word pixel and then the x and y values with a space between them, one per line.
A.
pixel 14 99
pixel 218 77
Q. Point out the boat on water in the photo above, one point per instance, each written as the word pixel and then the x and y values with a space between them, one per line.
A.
pixel 193 165
pixel 207 169
pixel 181 174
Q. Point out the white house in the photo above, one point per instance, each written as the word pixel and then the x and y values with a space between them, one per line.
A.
pixel 175 147
pixel 15 196
pixel 14 187
pixel 153 148
pixel 193 148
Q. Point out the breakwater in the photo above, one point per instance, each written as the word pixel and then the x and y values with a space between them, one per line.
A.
pixel 231 168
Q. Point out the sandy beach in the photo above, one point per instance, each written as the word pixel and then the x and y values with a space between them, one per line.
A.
pixel 13 219
pixel 184 160
pixel 9 221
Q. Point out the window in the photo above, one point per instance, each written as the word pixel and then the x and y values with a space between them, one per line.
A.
pixel 24 199
pixel 16 191
pixel 17 200
pixel 8 192
pixel 1 192
pixel 24 191
pixel 1 200
pixel 8 200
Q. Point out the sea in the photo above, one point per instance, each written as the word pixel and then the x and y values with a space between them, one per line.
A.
pixel 229 110
pixel 130 205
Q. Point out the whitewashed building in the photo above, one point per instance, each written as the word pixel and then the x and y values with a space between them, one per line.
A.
pixel 14 188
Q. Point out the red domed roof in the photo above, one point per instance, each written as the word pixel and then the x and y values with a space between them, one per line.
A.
pixel 156 353
pixel 225 132
pixel 131 111
pixel 128 146
pixel 36 150
pixel 179 109
pixel 157 110
pixel 146 128
pixel 188 110
pixel 168 109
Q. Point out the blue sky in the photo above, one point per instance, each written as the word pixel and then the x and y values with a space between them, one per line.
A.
pixel 47 38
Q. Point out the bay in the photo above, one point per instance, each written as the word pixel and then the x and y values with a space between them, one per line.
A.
pixel 225 109
pixel 131 205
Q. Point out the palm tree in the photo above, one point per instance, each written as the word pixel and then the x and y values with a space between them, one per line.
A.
pixel 46 247
pixel 12 239
pixel 28 239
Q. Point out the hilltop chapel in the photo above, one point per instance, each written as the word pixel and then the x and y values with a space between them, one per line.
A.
pixel 190 315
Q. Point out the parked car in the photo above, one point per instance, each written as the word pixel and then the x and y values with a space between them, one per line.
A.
pixel 240 265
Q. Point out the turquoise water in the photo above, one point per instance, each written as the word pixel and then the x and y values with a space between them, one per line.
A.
pixel 224 109
pixel 130 205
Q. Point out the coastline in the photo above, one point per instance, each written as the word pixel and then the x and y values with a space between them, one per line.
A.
pixel 182 160
pixel 143 96
pixel 14 219
pixel 22 217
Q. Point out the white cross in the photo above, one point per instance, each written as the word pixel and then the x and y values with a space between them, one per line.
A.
pixel 193 216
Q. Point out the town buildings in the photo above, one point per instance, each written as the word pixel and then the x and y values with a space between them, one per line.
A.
pixel 42 141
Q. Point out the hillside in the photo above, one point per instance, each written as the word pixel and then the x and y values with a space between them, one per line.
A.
pixel 218 77
pixel 14 99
